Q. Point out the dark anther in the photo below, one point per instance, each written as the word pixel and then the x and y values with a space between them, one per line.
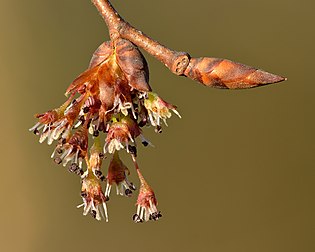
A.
pixel 136 218
pixel 36 132
pixel 132 186
pixel 93 213
pixel 158 129
pixel 59 151
pixel 101 155
pixel 57 160
pixel 145 143
pixel 132 150
pixel 98 173
pixel 74 101
pixel 75 169
pixel 86 109
pixel 128 192
pixel 83 194
pixel 106 198
pixel 63 140
pixel 155 216
pixel 96 133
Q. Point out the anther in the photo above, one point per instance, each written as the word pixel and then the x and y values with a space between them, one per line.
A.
pixel 57 160
pixel 145 143
pixel 74 168
pixel 132 186
pixel 136 218
pixel 101 155
pixel 93 213
pixel 83 194
pixel 59 151
pixel 86 109
pixel 36 132
pixel 128 192
pixel 158 129
pixel 99 175
pixel 96 133
pixel 132 150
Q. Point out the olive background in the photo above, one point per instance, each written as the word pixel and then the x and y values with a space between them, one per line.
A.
pixel 236 173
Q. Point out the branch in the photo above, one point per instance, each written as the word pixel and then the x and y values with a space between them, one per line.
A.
pixel 118 27
pixel 214 72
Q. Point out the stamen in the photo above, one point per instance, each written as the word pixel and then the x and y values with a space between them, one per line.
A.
pixel 158 129
pixel 58 160
pixel 35 127
pixel 105 210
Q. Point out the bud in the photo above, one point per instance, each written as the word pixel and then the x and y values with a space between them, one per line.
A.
pixel 222 73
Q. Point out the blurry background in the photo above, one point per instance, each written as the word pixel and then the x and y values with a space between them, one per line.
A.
pixel 236 173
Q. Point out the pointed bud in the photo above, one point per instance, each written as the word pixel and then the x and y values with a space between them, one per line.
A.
pixel 222 73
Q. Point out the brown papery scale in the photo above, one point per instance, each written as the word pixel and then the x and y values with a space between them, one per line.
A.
pixel 133 64
pixel 223 73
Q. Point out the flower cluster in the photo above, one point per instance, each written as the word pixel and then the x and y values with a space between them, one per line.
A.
pixel 112 96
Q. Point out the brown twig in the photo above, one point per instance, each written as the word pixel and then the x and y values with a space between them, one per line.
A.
pixel 177 62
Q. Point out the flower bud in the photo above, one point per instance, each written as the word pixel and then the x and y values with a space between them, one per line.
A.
pixel 222 73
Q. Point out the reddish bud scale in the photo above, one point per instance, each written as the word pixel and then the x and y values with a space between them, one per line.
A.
pixel 133 64
pixel 222 73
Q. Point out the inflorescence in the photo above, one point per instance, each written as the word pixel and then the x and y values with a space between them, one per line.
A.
pixel 112 96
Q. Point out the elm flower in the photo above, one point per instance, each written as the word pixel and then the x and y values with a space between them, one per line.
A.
pixel 146 203
pixel 73 150
pixel 96 159
pixel 58 122
pixel 158 109
pixel 121 133
pixel 94 200
pixel 117 174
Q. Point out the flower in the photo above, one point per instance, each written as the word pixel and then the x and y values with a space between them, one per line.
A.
pixel 58 122
pixel 94 200
pixel 73 150
pixel 146 203
pixel 158 109
pixel 121 133
pixel 117 173
pixel 96 158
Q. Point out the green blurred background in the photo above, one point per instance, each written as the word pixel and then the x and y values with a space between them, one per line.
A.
pixel 236 173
